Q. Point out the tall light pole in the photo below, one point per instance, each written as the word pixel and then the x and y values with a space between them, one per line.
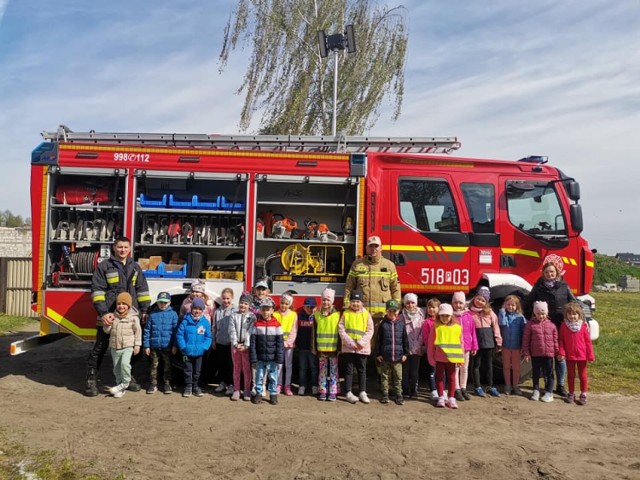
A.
pixel 335 43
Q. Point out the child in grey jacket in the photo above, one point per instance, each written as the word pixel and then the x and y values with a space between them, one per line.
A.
pixel 125 340
pixel 240 327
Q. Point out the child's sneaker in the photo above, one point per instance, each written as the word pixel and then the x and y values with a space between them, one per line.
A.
pixel 570 398
pixel 322 397
pixel 385 398
pixel 458 395
pixel 278 389
pixel 247 395
pixel 351 398
pixel 399 400
pixel 256 399
pixel 235 396
pixel 413 394
pixel 535 396
pixel 118 388
pixel 517 391
pixel 302 390
pixel 220 388
pixel 582 400
pixel 332 398
pixel 465 394
pixel 229 391
pixel 452 403
pixel 493 391
pixel 547 397
pixel 197 391
pixel 167 388
pixel 507 390
pixel 480 392
pixel 287 390
pixel 153 388
pixel 440 403
pixel 273 399
pixel 363 397
pixel 119 393
pixel 314 390
pixel 187 392
pixel 434 395
pixel 560 390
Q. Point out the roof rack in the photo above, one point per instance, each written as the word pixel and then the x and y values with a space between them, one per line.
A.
pixel 340 143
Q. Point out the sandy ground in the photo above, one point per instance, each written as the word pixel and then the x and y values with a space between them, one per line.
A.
pixel 167 436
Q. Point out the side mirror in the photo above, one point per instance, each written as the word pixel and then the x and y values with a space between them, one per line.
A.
pixel 575 213
pixel 573 190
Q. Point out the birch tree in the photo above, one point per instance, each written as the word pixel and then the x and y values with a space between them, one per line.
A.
pixel 290 85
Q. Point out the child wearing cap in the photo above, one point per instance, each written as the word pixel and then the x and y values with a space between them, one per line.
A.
pixel 198 290
pixel 240 327
pixel 288 319
pixel 392 350
pixel 445 351
pixel 305 347
pixel 222 343
pixel 489 340
pixel 158 341
pixel 433 306
pixel 326 320
pixel 260 292
pixel 125 338
pixel 413 318
pixel 540 344
pixel 266 351
pixel 356 330
pixel 469 343
pixel 194 339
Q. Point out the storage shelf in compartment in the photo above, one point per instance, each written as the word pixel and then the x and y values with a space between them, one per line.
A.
pixel 179 245
pixel 300 240
pixel 191 211
pixel 87 207
pixel 307 204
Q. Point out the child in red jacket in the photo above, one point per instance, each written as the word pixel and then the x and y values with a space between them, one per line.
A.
pixel 574 345
pixel 540 344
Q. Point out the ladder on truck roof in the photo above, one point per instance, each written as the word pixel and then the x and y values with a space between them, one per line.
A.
pixel 340 143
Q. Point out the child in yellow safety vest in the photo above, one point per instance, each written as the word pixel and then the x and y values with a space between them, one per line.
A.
pixel 288 319
pixel 356 330
pixel 327 344
pixel 445 351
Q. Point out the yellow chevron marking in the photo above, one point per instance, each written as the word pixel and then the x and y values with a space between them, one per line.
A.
pixel 202 152
pixel 456 249
pixel 80 332
pixel 573 262
pixel 519 251
pixel 589 263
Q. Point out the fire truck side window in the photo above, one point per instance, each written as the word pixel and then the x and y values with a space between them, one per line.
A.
pixel 428 205
pixel 535 208
pixel 480 200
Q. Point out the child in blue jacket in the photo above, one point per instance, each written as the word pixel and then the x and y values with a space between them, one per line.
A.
pixel 194 339
pixel 511 322
pixel 158 341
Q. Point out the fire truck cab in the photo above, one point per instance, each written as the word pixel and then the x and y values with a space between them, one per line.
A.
pixel 233 209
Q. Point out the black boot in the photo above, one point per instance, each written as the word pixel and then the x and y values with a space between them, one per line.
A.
pixel 133 385
pixel 91 388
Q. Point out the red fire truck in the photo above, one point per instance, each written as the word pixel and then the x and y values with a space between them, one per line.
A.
pixel 232 209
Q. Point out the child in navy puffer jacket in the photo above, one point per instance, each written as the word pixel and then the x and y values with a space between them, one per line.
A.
pixel 512 324
pixel 194 339
pixel 158 340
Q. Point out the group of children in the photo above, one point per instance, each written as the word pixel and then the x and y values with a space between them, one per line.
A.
pixel 254 344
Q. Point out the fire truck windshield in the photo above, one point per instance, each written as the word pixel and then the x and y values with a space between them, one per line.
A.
pixel 535 209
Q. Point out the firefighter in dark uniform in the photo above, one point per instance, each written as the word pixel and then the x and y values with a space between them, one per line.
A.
pixel 115 275
pixel 376 277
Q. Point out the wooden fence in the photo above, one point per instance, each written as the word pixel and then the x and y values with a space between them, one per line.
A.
pixel 15 287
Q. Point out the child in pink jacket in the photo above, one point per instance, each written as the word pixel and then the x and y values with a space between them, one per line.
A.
pixel 574 345
pixel 540 344
pixel 489 340
pixel 469 342
pixel 433 306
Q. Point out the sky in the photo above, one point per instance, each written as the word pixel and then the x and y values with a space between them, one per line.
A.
pixel 508 78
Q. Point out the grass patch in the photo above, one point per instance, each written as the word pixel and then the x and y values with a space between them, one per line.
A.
pixel 17 462
pixel 10 323
pixel 617 365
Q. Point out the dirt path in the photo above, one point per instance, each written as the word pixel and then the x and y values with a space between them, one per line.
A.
pixel 158 436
